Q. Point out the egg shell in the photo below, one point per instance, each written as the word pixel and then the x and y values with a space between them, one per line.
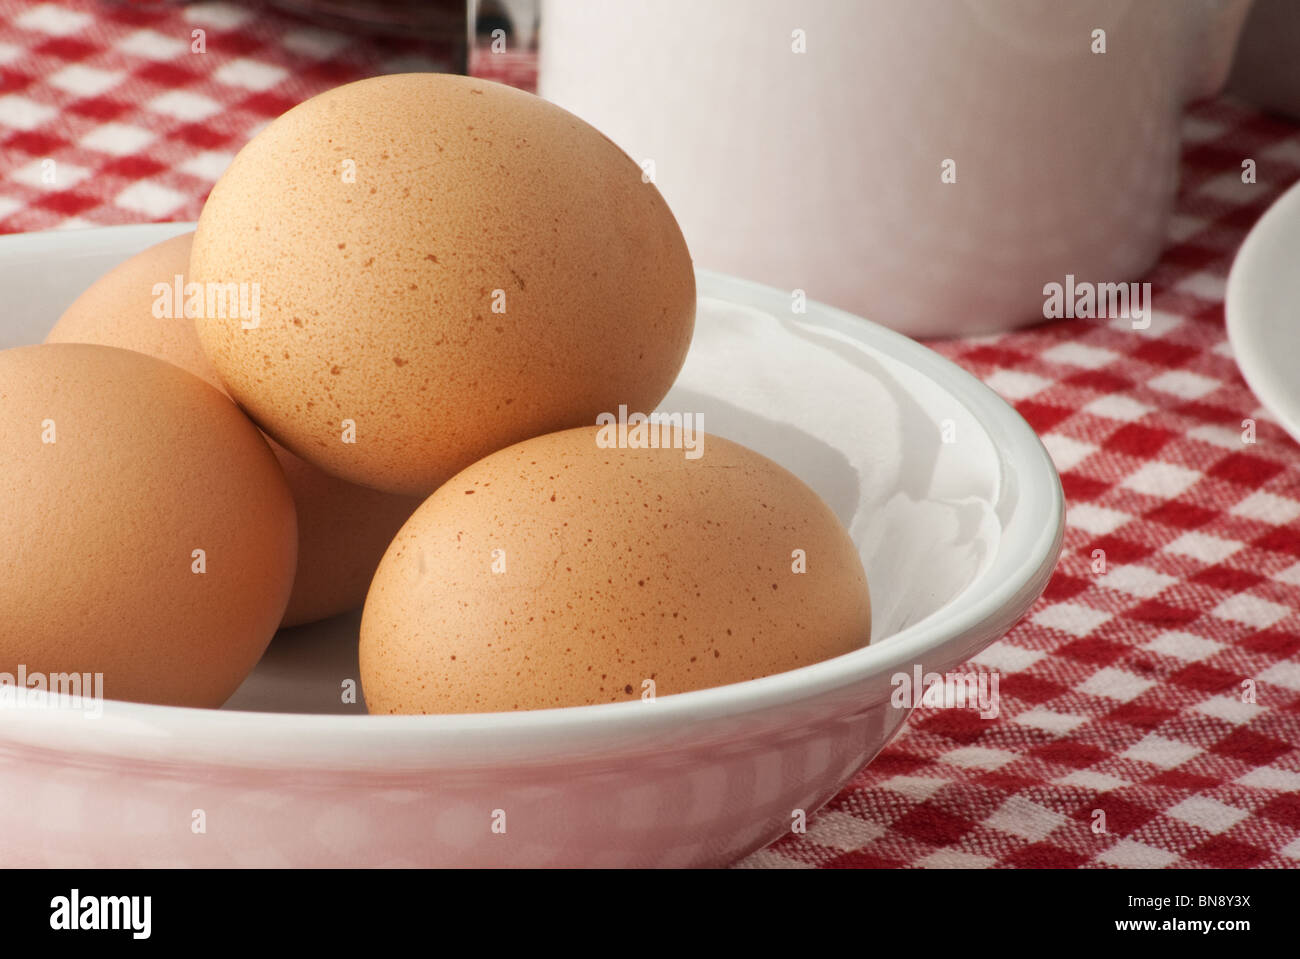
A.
pixel 560 573
pixel 343 529
pixel 448 264
pixel 117 468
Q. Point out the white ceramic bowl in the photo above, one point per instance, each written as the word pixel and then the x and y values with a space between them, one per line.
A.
pixel 955 506
pixel 1260 309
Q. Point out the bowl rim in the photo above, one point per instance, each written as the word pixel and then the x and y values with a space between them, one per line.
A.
pixel 1029 499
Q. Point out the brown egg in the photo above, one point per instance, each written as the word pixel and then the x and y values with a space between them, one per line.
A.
pixel 560 573
pixel 343 529
pixel 443 266
pixel 148 532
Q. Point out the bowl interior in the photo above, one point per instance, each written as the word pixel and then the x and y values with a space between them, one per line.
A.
pixel 905 464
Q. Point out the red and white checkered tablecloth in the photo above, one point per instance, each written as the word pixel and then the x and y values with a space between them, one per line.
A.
pixel 1122 690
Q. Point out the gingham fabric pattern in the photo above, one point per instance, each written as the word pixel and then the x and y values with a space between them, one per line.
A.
pixel 137 124
pixel 1121 691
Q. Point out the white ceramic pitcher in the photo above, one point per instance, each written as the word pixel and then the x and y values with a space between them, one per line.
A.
pixel 804 143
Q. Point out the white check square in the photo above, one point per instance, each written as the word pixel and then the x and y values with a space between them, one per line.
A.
pixel 1182 227
pixel 1136 581
pixel 1072 618
pixel 1284 151
pixel 978 757
pixel 1113 406
pixel 250 74
pixel 1207 286
pixel 118 139
pixel 1268 508
pixel 1222 436
pixel 954 859
pixel 1284 673
pixel 1015 385
pixel 1092 779
pixel 53 19
pixel 1199 130
pixel 218 16
pixel 1021 817
pixel 49 174
pixel 1161 324
pixel 85 81
pixel 1098 520
pixel 1199 546
pixel 23 114
pixel 1230 709
pixel 1163 480
pixel 1165 753
pixel 182 105
pixel 149 198
pixel 1209 814
pixel 1050 722
pixel 1251 610
pixel 917 788
pixel 1270 777
pixel 207 164
pixel 1136 855
pixel 1229 186
pixel 1116 684
pixel 152 45
pixel 841 830
pixel 1080 354
pixel 1188 386
pixel 315 43
pixel 1005 657
pixel 1184 646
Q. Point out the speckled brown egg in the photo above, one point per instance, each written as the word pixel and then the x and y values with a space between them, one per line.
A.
pixel 560 573
pixel 343 528
pixel 443 266
pixel 148 534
